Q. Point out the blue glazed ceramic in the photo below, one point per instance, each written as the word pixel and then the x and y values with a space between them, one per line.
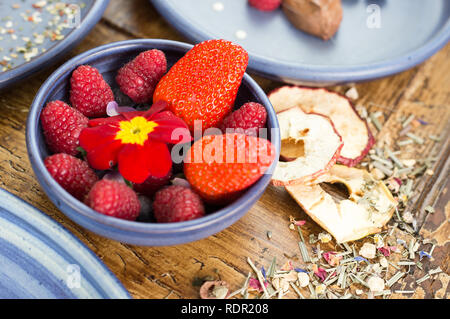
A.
pixel 108 59
pixel 376 38
pixel 41 259
pixel 90 13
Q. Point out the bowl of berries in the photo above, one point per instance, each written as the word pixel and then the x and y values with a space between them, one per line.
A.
pixel 154 142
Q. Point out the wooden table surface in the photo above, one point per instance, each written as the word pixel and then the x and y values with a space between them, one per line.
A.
pixel 170 271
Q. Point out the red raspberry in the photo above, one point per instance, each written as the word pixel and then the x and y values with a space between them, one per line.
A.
pixel 265 5
pixel 138 78
pixel 250 118
pixel 62 126
pixel 73 174
pixel 176 204
pixel 152 184
pixel 114 199
pixel 89 92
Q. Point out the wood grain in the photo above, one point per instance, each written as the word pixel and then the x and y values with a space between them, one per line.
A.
pixel 170 272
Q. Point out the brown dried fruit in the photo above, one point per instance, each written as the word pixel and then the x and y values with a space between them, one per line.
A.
pixel 317 17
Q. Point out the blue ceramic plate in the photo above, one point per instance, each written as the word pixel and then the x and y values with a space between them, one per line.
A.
pixel 409 32
pixel 40 259
pixel 62 28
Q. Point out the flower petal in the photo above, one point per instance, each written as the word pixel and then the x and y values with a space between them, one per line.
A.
pixel 137 163
pixel 113 109
pixel 93 137
pixel 155 109
pixel 112 121
pixel 105 155
pixel 171 129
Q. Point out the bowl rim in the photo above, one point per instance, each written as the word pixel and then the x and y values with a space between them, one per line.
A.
pixel 309 74
pixel 43 176
pixel 92 16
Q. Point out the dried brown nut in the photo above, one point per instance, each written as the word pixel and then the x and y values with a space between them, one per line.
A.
pixel 317 17
pixel 214 290
pixel 355 132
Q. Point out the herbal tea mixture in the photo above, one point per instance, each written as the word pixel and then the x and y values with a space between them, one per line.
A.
pixel 376 265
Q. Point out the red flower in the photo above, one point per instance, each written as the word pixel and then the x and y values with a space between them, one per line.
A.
pixel 136 140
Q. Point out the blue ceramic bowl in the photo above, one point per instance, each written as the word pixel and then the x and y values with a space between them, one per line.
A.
pixel 108 59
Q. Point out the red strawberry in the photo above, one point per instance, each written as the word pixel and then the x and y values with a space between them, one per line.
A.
pixel 176 204
pixel 265 5
pixel 152 184
pixel 138 78
pixel 73 174
pixel 250 117
pixel 113 198
pixel 204 83
pixel 62 126
pixel 219 167
pixel 89 92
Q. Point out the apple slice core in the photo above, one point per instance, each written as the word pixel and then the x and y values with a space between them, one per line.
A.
pixel 309 147
pixel 354 130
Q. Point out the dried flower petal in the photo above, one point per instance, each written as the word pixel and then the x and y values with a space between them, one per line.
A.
pixel 386 251
pixel 263 272
pixel 320 272
pixel 359 258
pixel 300 270
pixel 299 222
pixel 331 258
pixel 424 254
pixel 254 284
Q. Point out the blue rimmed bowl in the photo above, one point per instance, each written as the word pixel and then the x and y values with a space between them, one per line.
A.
pixel 108 59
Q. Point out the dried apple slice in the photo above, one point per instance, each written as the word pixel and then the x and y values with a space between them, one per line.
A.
pixel 354 130
pixel 310 146
pixel 369 207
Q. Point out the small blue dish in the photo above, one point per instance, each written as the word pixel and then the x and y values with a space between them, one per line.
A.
pixel 108 59
pixel 90 12
pixel 376 38
pixel 39 258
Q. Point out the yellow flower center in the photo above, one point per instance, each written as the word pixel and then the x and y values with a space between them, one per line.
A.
pixel 135 131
